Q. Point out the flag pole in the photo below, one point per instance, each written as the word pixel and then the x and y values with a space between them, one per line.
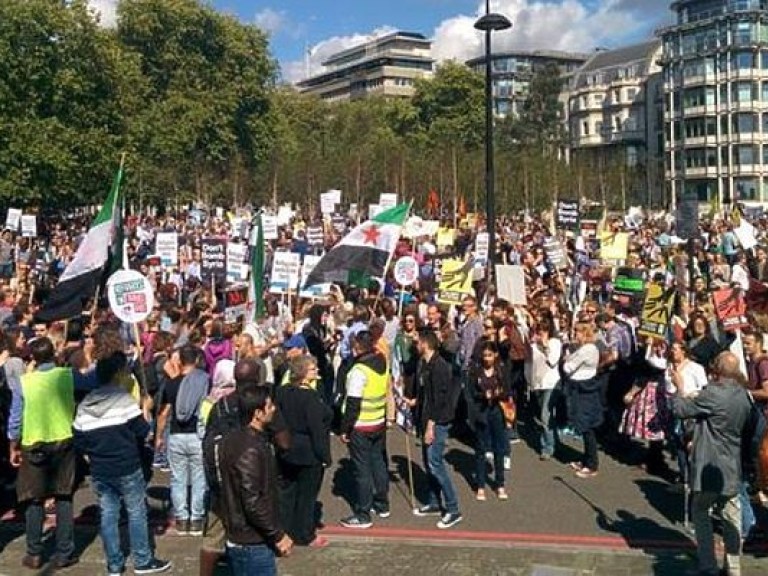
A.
pixel 389 260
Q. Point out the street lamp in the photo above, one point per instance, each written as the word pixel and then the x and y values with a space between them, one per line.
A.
pixel 490 23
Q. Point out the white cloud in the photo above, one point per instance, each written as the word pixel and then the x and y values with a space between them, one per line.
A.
pixel 106 10
pixel 271 21
pixel 570 25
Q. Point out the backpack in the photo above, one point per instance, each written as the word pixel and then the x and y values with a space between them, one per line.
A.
pixel 224 417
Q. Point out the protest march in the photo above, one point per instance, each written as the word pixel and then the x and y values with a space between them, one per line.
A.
pixel 231 353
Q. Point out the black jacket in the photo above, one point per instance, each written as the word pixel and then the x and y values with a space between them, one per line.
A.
pixel 309 421
pixel 438 391
pixel 249 500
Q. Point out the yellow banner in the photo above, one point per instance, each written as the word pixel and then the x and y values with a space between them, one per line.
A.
pixel 455 281
pixel 614 246
pixel 657 311
pixel 446 237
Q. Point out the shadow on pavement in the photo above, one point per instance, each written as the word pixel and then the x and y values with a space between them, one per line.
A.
pixel 343 482
pixel 667 499
pixel 463 463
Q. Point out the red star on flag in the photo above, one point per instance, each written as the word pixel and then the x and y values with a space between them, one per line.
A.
pixel 371 235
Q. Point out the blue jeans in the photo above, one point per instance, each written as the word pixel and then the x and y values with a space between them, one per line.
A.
pixel 440 482
pixel 185 455
pixel 491 437
pixel 131 489
pixel 546 401
pixel 251 560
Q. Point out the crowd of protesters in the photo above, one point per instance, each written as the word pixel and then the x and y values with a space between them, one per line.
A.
pixel 241 415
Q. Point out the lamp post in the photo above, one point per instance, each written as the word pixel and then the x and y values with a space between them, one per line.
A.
pixel 490 23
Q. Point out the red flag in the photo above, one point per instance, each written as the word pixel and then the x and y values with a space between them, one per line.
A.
pixel 433 202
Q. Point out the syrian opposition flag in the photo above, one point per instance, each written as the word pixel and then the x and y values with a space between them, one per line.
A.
pixel 365 250
pixel 84 272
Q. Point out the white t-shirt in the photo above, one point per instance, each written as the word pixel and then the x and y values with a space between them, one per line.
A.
pixel 544 371
pixel 694 379
pixel 582 364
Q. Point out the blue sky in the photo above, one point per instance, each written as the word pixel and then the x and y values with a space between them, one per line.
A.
pixel 326 26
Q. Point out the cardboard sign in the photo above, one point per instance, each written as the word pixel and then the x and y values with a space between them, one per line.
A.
pixel 237 269
pixel 387 201
pixel 406 271
pixel 167 247
pixel 556 253
pixel 315 235
pixel 567 214
pixel 269 223
pixel 130 296
pixel 13 219
pixel 731 308
pixel 657 311
pixel 446 237
pixel 235 304
pixel 614 245
pixel 327 203
pixel 510 282
pixel 316 290
pixel 213 260
pixel 455 281
pixel 29 226
pixel 285 272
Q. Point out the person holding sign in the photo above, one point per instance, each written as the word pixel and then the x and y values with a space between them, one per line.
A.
pixel 580 369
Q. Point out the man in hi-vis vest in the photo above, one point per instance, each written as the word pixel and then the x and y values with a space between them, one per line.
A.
pixel 364 430
pixel 40 434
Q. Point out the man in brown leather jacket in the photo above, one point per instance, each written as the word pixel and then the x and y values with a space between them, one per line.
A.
pixel 249 499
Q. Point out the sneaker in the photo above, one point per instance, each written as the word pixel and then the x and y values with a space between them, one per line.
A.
pixel 576 465
pixel 502 494
pixel 196 528
pixel 112 573
pixel 181 527
pixel 449 520
pixel 586 473
pixel 428 510
pixel 480 496
pixel 356 522
pixel 383 513
pixel 154 567
pixel 507 463
pixel 544 457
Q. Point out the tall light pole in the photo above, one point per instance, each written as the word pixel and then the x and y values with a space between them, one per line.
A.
pixel 490 23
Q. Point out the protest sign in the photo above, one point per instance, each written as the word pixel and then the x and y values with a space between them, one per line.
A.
pixel 387 201
pixel 315 235
pixel 567 214
pixel 284 215
pixel 445 237
pixel 13 219
pixel 415 227
pixel 455 281
pixel 745 233
pixel 29 225
pixel 335 195
pixel 237 269
pixel 555 252
pixel 481 249
pixel 327 203
pixel 167 247
pixel 285 272
pixel 374 210
pixel 614 245
pixel 235 304
pixel 352 212
pixel 629 282
pixel 510 282
pixel 406 271
pixel 687 221
pixel 130 296
pixel 731 308
pixel 316 290
pixel 213 260
pixel 339 223
pixel 657 311
pixel 269 223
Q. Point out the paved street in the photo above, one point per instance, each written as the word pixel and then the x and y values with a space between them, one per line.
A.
pixel 622 522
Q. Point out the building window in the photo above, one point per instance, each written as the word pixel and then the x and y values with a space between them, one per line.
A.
pixel 617 123
pixel 742 92
pixel 745 155
pixel 744 123
pixel 585 128
pixel 617 96
pixel 598 99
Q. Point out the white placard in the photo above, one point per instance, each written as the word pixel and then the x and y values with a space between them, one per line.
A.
pixel 387 200
pixel 336 195
pixel 481 249
pixel 510 281
pixel 327 203
pixel 167 247
pixel 220 213
pixel 406 271
pixel 374 210
pixel 13 219
pixel 130 295
pixel 745 233
pixel 285 272
pixel 284 215
pixel 237 269
pixel 269 223
pixel 315 290
pixel 29 225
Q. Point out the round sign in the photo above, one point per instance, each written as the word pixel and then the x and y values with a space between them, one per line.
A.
pixel 406 271
pixel 130 295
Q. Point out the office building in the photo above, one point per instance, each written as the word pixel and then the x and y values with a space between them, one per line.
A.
pixel 386 66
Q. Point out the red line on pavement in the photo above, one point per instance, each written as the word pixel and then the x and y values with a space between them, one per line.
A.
pixel 611 542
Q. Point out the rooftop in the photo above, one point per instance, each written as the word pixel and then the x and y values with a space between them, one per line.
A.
pixel 377 43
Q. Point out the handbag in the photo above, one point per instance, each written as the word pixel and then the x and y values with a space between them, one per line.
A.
pixel 509 409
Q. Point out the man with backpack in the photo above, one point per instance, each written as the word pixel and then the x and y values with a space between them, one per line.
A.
pixel 183 397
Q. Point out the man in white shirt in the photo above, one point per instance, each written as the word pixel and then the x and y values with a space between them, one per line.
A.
pixel 544 377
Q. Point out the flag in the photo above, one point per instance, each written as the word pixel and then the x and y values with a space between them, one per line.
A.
pixel 86 270
pixel 256 286
pixel 365 250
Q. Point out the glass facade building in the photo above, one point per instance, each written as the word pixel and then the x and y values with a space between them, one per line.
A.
pixel 715 88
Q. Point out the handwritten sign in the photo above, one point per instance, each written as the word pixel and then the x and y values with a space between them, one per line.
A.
pixel 285 272
pixel 213 261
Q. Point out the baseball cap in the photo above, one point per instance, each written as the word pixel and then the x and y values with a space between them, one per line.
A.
pixel 295 341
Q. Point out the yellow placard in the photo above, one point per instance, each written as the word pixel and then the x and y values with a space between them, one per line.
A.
pixel 614 246
pixel 446 237
pixel 657 311
pixel 455 281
